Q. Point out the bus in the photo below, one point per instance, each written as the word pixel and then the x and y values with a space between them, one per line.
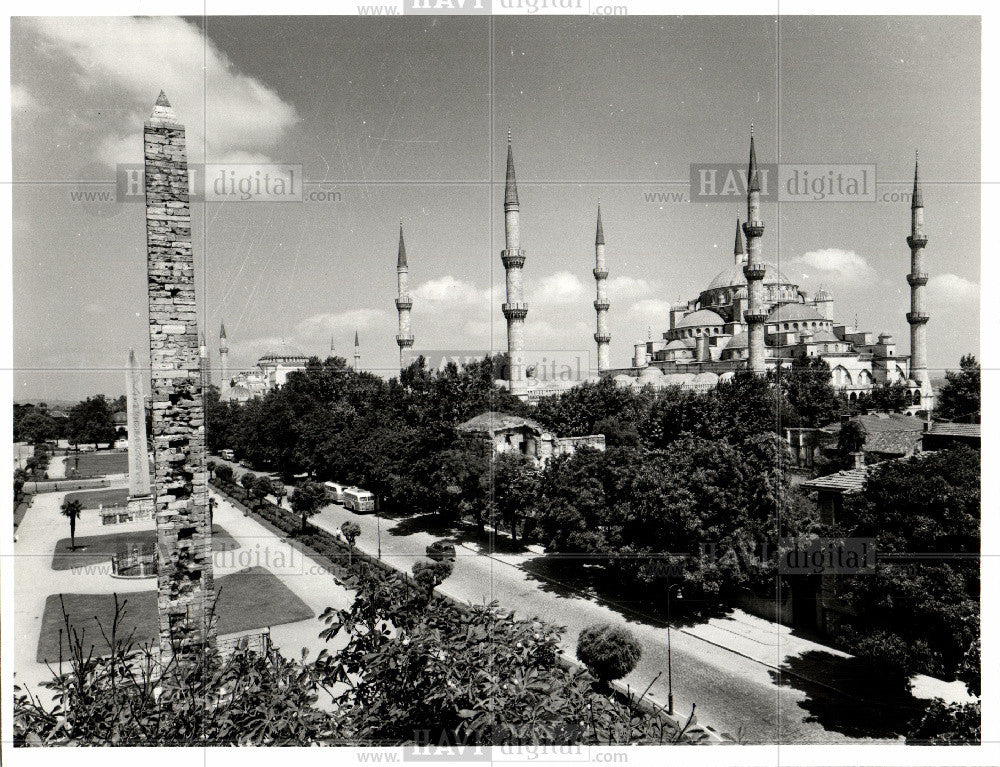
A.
pixel 358 500
pixel 334 491
pixel 227 454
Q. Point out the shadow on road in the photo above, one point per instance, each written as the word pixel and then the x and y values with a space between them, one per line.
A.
pixel 870 705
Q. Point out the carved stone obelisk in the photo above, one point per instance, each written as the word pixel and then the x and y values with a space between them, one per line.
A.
pixel 140 497
pixel 183 529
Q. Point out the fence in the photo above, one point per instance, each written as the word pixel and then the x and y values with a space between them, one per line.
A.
pixel 137 562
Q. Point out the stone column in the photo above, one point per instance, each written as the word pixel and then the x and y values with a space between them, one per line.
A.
pixel 183 530
pixel 140 497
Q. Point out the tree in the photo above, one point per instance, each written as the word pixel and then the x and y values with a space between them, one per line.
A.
pixel 515 486
pixel 307 499
pixel 34 424
pixel 224 474
pixel 960 396
pixel 20 477
pixel 432 574
pixel 72 509
pixel 810 392
pixel 91 421
pixel 350 531
pixel 948 724
pixel 249 481
pixel 278 490
pixel 260 489
pixel 609 652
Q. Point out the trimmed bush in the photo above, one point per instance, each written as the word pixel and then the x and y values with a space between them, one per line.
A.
pixel 609 652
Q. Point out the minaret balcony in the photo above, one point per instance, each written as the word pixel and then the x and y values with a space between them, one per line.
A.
pixel 916 241
pixel 600 274
pixel 404 340
pixel 602 338
pixel 755 318
pixel 754 271
pixel 515 311
pixel 917 278
pixel 753 228
pixel 513 259
pixel 404 302
pixel 602 306
pixel 917 318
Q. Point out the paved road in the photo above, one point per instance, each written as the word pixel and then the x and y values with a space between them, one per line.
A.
pixel 728 667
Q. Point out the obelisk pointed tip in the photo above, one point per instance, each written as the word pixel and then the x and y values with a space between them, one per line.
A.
pixel 162 111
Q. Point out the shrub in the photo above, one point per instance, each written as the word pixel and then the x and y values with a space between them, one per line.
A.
pixel 609 652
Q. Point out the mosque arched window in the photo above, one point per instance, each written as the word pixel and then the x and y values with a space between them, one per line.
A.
pixel 916 397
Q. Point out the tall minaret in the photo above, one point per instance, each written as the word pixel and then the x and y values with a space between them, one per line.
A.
pixel 754 268
pixel 601 305
pixel 917 316
pixel 403 302
pixel 333 347
pixel 513 256
pixel 357 353
pixel 223 358
pixel 739 255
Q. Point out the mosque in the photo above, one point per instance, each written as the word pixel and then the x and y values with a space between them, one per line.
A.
pixel 750 317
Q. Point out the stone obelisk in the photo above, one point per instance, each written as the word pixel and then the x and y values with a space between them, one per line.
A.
pixel 140 497
pixel 183 529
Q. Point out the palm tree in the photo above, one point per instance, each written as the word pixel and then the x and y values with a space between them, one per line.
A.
pixel 72 510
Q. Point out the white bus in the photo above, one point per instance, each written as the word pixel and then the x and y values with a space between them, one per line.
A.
pixel 358 500
pixel 335 491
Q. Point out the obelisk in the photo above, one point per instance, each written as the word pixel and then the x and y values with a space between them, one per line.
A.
pixel 140 497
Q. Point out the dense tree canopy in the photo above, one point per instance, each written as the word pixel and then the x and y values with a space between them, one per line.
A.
pixel 959 399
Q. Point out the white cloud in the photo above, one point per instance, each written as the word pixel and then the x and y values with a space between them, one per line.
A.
pixel 134 58
pixel 833 264
pixel 21 100
pixel 557 289
pixel 629 288
pixel 950 289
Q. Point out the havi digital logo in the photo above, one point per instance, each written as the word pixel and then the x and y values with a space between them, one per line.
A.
pixel 458 7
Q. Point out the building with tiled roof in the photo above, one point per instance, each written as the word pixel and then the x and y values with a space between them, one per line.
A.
pixel 511 433
pixel 942 435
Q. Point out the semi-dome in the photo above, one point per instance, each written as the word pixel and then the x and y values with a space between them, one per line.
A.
pixel 650 374
pixel 699 319
pixel 678 343
pixel 623 380
pixel 822 295
pixel 739 341
pixel 708 377
pixel 732 276
pixel 794 312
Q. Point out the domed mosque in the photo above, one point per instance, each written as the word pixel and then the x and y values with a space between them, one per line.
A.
pixel 708 338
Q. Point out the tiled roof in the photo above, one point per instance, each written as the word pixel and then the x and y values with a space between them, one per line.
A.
pixel 491 422
pixel 968 430
pixel 892 442
pixel 889 422
pixel 849 481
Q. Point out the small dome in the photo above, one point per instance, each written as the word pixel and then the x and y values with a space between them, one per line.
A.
pixel 727 376
pixel 237 393
pixel 706 378
pixel 700 318
pixel 623 380
pixel 650 374
pixel 822 295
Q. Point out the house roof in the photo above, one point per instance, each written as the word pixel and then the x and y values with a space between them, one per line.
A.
pixel 491 422
pixel 966 430
pixel 848 481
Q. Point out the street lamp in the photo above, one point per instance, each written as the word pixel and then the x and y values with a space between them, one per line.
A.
pixel 670 676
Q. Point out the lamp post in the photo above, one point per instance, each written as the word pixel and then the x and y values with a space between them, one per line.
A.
pixel 670 676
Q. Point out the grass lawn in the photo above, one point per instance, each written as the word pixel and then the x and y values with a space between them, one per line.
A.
pixel 96 464
pixel 93 499
pixel 95 549
pixel 250 599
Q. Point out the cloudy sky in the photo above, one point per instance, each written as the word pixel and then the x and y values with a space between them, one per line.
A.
pixel 406 118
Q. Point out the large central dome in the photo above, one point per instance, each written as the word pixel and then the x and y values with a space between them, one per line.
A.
pixel 733 276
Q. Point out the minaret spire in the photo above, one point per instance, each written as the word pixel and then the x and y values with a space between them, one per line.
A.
pixel 917 317
pixel 601 304
pixel 739 254
pixel 754 269
pixel 513 257
pixel 404 338
pixel 223 358
pixel 357 352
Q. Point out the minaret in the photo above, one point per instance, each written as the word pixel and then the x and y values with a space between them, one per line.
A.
pixel 513 256
pixel 357 353
pixel 403 302
pixel 601 305
pixel 185 582
pixel 140 497
pixel 223 358
pixel 333 347
pixel 754 268
pixel 203 360
pixel 739 255
pixel 917 316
